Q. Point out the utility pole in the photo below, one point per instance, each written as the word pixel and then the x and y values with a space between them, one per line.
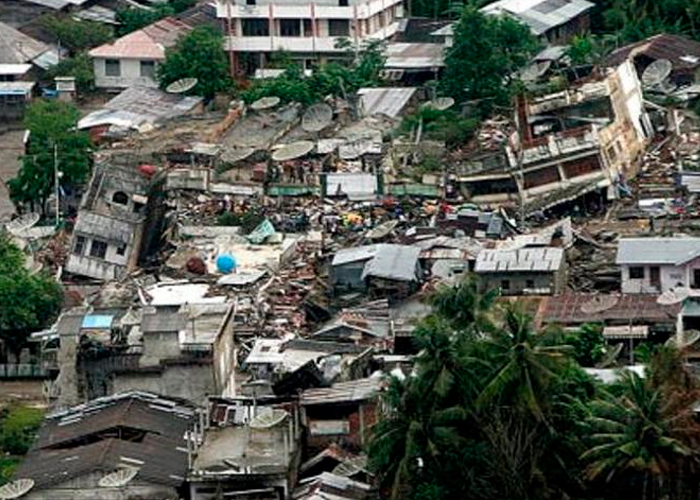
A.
pixel 55 180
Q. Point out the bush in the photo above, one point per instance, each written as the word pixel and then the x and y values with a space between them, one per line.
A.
pixel 445 126
pixel 588 344
pixel 80 66
pixel 75 35
pixel 18 429
pixel 7 468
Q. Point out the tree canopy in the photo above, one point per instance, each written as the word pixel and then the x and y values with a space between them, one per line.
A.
pixel 52 126
pixel 495 408
pixel 198 55
pixel 76 36
pixel 486 52
pixel 28 302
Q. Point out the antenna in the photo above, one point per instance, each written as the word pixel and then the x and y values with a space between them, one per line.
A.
pixel 317 117
pixel 18 226
pixel 181 86
pixel 16 489
pixel 671 297
pixel 236 154
pixel 656 74
pixel 265 103
pixel 440 104
pixel 268 420
pixel 599 304
pixel 293 150
pixel 119 477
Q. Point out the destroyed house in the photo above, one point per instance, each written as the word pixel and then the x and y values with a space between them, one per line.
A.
pixel 108 231
pixel 384 270
pixel 132 445
pixel 342 413
pixel 250 449
pixel 657 265
pixel 580 140
pixel 525 271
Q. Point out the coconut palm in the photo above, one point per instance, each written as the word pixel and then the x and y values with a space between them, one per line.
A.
pixel 524 363
pixel 410 435
pixel 641 438
pixel 465 306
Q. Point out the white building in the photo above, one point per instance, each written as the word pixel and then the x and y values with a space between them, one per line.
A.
pixel 657 265
pixel 307 30
pixel 134 58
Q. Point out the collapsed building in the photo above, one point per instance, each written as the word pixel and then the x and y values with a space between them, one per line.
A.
pixel 584 139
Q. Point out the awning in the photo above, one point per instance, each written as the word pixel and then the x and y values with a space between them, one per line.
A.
pixel 626 332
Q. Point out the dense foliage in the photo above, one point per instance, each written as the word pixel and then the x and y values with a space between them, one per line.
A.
pixel 18 425
pixel 329 79
pixel 486 53
pixel 134 18
pixel 80 67
pixel 53 136
pixel 74 35
pixel 28 301
pixel 197 55
pixel 496 409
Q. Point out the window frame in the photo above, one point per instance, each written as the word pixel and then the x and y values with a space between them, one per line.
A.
pixel 95 248
pixel 334 33
pixel 149 63
pixel 110 63
pixel 636 272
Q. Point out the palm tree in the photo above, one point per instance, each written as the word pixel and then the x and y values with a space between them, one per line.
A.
pixel 641 438
pixel 410 435
pixel 524 362
pixel 465 306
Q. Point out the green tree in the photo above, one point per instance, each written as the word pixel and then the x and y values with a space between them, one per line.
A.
pixel 588 344
pixel 134 18
pixel 199 54
pixel 52 124
pixel 76 36
pixel 28 302
pixel 643 439
pixel 80 67
pixel 18 427
pixel 524 363
pixel 487 51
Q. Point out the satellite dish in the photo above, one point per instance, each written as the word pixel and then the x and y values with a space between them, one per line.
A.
pixel 686 340
pixel 18 226
pixel 610 356
pixel 119 477
pixel 268 420
pixel 265 103
pixel 317 117
pixel 673 296
pixel 656 73
pixel 535 71
pixel 16 489
pixel 440 104
pixel 599 304
pixel 181 86
pixel 236 154
pixel 293 150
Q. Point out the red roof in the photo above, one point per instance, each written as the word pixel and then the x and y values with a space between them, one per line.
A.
pixel 147 43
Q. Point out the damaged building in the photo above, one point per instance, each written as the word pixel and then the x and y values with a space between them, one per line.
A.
pixel 584 139
pixel 108 234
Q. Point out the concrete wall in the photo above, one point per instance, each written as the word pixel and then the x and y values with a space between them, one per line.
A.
pixel 193 382
pixel 86 488
pixel 670 277
pixel 226 358
pixel 519 281
pixel 349 428
pixel 158 346
pixel 347 277
pixel 130 74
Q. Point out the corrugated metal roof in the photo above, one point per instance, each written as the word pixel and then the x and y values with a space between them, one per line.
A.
pixel 626 332
pixel 16 88
pixel 538 259
pixel 396 262
pixel 540 15
pixel 355 254
pixel 342 392
pixel 672 251
pixel 691 182
pixel 683 52
pixel 569 309
pixel 415 56
pixel 162 321
pixel 18 48
pixel 101 226
pixel 389 101
pixel 14 69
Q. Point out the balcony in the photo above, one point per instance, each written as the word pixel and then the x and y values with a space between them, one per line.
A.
pixel 291 44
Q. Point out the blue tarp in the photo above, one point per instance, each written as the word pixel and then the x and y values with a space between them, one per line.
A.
pixel 97 321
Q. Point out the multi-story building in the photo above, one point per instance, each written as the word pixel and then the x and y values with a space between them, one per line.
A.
pixel 307 31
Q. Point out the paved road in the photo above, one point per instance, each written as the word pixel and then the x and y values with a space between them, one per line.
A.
pixel 10 148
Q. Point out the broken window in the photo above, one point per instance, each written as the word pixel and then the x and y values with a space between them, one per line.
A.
pixel 636 273
pixel 338 27
pixel 98 249
pixel 541 177
pixel 120 197
pixel 121 249
pixel 290 27
pixel 79 247
pixel 256 27
pixel 113 67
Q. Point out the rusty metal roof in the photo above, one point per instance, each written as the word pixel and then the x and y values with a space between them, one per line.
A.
pixel 147 43
pixel 683 52
pixel 637 308
pixel 343 392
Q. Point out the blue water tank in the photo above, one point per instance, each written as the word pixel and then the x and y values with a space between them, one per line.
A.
pixel 226 263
